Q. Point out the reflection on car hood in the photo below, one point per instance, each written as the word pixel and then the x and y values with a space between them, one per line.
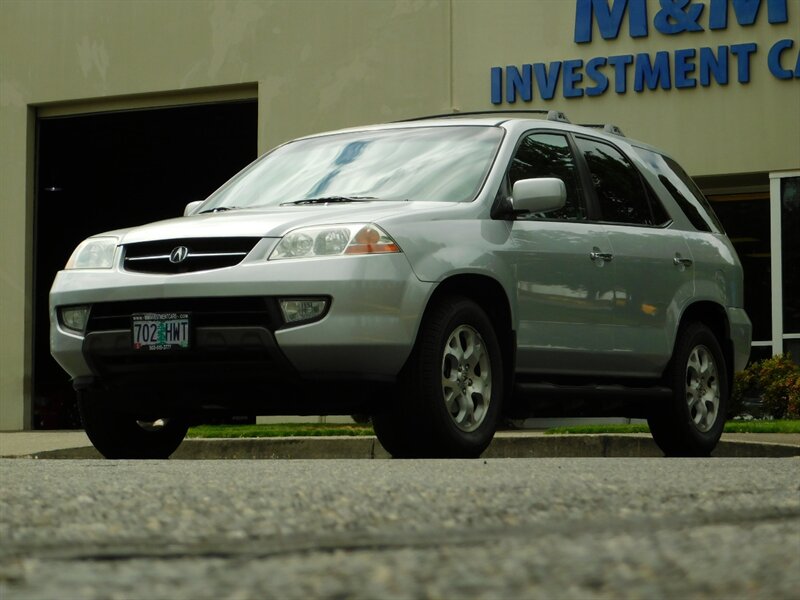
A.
pixel 271 222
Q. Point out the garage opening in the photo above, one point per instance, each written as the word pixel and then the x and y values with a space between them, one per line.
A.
pixel 111 170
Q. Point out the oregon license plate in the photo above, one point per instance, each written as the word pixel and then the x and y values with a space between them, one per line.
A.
pixel 160 331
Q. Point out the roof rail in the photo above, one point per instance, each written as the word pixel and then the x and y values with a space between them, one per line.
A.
pixel 552 115
pixel 607 128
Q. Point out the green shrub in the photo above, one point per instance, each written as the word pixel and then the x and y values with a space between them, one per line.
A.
pixel 776 381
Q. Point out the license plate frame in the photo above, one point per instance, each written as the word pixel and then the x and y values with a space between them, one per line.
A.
pixel 161 332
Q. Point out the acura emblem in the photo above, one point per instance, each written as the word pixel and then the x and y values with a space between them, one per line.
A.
pixel 178 255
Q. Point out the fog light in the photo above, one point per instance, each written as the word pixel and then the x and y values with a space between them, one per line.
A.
pixel 296 310
pixel 75 317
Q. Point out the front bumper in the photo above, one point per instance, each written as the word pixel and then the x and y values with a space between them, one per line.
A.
pixel 367 333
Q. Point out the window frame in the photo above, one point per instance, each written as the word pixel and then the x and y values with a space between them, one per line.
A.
pixel 505 185
pixel 589 194
pixel 708 215
pixel 650 195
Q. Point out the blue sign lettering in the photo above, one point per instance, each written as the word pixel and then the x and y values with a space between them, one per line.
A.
pixel 742 52
pixel 746 12
pixel 609 18
pixel 593 72
pixel 797 67
pixel 546 80
pixel 680 69
pixel 620 64
pixel 677 16
pixel 774 60
pixel 683 68
pixel 715 66
pixel 517 82
pixel 572 78
pixel 497 85
pixel 652 75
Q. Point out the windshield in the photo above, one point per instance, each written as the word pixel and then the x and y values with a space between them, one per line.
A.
pixel 446 164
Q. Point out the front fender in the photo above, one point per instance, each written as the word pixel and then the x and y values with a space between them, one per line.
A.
pixel 438 250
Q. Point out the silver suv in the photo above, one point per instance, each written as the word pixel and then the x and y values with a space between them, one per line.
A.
pixel 440 275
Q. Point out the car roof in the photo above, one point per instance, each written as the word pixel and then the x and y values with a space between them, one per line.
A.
pixel 505 120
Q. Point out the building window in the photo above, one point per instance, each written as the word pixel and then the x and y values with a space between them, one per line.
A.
pixel 790 252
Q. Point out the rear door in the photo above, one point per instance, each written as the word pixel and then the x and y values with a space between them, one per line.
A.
pixel 653 264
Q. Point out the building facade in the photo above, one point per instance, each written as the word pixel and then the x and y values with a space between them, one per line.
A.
pixel 103 104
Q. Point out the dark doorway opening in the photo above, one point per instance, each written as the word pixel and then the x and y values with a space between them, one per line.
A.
pixel 107 171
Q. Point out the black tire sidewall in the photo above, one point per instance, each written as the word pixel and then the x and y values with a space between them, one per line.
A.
pixel 446 439
pixel 116 435
pixel 673 427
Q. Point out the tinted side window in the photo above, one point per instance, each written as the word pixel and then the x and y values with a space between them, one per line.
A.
pixel 549 155
pixel 619 188
pixel 681 187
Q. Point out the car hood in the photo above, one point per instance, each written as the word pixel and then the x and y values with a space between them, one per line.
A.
pixel 275 221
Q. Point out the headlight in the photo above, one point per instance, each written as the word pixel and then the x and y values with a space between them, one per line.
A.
pixel 334 240
pixel 94 253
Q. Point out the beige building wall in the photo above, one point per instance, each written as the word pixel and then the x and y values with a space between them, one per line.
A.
pixel 322 64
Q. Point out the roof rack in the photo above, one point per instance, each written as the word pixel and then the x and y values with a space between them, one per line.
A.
pixel 607 128
pixel 552 115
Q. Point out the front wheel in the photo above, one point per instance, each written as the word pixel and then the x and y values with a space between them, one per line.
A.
pixel 119 435
pixel 692 422
pixel 452 387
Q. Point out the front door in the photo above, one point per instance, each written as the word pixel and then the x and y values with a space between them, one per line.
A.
pixel 565 293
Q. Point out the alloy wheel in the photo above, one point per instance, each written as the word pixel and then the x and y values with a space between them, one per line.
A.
pixel 466 378
pixel 702 388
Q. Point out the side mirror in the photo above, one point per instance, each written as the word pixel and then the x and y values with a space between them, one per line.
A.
pixel 191 206
pixel 538 195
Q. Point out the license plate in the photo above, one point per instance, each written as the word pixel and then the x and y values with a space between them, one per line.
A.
pixel 160 331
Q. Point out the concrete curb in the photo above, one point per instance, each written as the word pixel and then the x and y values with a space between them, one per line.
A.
pixel 507 446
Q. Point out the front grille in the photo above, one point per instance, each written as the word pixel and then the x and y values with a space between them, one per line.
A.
pixel 237 311
pixel 201 254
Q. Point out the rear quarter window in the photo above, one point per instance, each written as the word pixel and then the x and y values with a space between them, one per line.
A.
pixel 683 190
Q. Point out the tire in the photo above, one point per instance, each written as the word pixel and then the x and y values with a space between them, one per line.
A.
pixel 118 435
pixel 451 390
pixel 692 422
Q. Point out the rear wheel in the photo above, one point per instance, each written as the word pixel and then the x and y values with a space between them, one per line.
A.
pixel 692 422
pixel 451 390
pixel 119 435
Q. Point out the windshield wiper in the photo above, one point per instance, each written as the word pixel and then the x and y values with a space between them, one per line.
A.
pixel 217 209
pixel 329 200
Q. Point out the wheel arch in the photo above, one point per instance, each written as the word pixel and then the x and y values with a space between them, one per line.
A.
pixel 713 316
pixel 490 295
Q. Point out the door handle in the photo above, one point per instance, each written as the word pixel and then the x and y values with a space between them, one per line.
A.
pixel 595 254
pixel 682 262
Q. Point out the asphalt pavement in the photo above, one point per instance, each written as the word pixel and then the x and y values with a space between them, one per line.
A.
pixel 563 528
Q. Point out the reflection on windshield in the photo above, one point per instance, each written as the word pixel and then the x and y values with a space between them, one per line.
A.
pixel 446 164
